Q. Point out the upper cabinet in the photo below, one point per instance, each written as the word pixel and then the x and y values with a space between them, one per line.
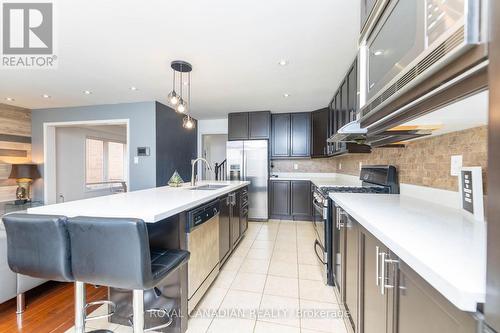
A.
pixel 291 133
pixel 320 131
pixel 249 125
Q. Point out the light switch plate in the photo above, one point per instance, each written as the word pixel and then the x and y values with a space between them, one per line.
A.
pixel 136 160
pixel 456 165
pixel 360 165
pixel 340 165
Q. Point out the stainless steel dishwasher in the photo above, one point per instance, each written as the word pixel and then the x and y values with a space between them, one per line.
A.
pixel 202 239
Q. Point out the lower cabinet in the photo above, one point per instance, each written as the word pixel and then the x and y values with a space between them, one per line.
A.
pixel 233 221
pixel 290 199
pixel 224 228
pixel 384 295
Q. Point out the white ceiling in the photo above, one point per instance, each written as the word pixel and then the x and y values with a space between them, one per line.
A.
pixel 233 45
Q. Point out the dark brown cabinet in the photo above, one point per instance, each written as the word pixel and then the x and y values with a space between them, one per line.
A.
pixel 235 219
pixel 237 127
pixel 279 198
pixel 224 228
pixel 259 125
pixel 300 134
pixel 351 255
pixel 280 138
pixel 301 197
pixel 242 199
pixel 320 132
pixel 249 125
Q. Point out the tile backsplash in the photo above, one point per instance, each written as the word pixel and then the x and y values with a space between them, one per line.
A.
pixel 424 162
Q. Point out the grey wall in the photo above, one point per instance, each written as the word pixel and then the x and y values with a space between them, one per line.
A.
pixel 142 122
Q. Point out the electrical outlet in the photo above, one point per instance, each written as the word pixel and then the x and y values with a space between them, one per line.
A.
pixel 340 165
pixel 360 165
pixel 456 165
pixel 295 166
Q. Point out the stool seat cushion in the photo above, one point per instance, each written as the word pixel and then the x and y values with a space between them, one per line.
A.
pixel 163 262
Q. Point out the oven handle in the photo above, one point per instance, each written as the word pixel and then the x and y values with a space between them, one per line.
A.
pixel 316 244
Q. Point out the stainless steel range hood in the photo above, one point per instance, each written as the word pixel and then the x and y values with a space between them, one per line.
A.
pixel 351 132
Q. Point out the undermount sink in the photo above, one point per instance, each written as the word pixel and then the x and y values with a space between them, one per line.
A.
pixel 208 187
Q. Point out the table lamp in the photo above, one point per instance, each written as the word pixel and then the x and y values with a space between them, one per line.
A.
pixel 24 174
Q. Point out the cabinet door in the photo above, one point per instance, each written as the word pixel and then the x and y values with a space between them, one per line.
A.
pixel 300 140
pixel 301 199
pixel 238 126
pixel 319 121
pixel 259 125
pixel 280 197
pixel 373 303
pixel 280 135
pixel 352 92
pixel 422 309
pixel 243 210
pixel 235 219
pixel 351 284
pixel 224 229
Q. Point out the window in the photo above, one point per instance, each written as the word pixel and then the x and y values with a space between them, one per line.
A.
pixel 104 162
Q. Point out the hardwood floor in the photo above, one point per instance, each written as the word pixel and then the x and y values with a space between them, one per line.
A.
pixel 49 308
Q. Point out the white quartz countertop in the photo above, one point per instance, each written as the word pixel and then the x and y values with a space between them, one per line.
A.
pixel 445 247
pixel 151 205
pixel 320 179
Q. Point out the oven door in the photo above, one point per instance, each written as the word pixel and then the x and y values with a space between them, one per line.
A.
pixel 320 246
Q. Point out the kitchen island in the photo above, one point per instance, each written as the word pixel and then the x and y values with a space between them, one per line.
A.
pixel 168 212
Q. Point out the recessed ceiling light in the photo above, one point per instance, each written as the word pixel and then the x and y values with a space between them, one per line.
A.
pixel 10 99
pixel 87 92
pixel 378 52
pixel 286 95
pixel 133 88
pixel 45 96
pixel 283 62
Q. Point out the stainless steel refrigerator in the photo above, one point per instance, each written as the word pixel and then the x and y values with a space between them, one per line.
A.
pixel 248 160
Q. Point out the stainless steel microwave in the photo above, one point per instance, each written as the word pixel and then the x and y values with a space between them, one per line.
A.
pixel 411 40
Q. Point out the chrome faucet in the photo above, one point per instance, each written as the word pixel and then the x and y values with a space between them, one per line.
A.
pixel 193 164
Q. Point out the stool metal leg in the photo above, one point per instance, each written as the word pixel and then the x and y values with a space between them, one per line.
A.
pixel 80 307
pixel 20 303
pixel 138 307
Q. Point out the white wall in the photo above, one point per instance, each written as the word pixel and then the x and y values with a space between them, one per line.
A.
pixel 209 126
pixel 70 159
pixel 214 151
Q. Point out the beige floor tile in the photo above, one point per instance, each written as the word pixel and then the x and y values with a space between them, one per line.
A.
pixel 323 317
pixel 224 325
pixel 102 323
pixel 241 250
pixel 224 279
pixel 283 268
pixel 310 272
pixel 286 256
pixel 265 327
pixel 280 310
pixel 249 282
pixel 285 247
pixel 266 235
pixel 198 325
pixel 260 254
pixel 240 300
pixel 281 286
pixel 233 263
pixel 263 244
pixel 307 257
pixel 256 266
pixel 272 221
pixel 316 291
pixel 212 299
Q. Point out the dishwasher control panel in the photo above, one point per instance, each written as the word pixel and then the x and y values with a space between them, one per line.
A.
pixel 202 214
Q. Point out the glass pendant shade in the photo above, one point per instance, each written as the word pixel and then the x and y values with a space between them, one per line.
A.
pixel 182 106
pixel 173 98
pixel 188 122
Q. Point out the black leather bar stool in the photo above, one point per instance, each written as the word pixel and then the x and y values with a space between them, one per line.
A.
pixel 115 252
pixel 38 246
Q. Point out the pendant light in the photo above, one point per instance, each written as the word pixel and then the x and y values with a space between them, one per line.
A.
pixel 183 102
pixel 173 99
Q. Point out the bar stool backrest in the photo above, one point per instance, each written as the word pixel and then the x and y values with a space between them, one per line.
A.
pixel 110 251
pixel 38 246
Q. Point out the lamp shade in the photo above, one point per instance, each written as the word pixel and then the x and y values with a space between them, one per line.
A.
pixel 24 171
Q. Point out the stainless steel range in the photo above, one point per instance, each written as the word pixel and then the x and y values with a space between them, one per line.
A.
pixel 328 218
